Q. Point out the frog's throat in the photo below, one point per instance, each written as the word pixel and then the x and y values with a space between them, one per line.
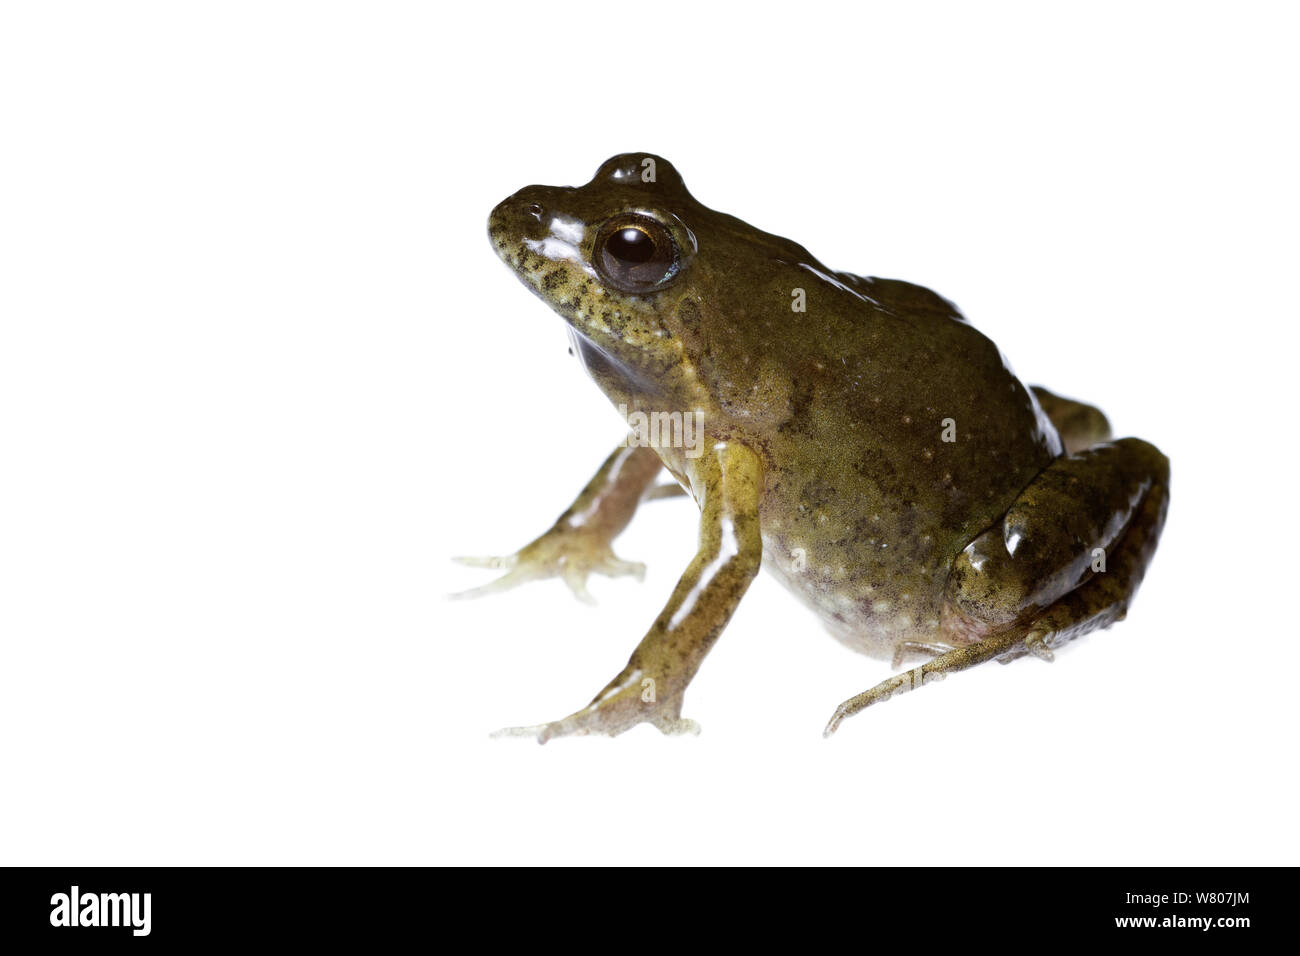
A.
pixel 650 387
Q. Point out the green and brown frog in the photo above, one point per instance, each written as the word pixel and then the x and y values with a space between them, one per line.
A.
pixel 855 436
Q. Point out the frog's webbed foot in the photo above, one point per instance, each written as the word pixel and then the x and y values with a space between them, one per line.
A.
pixel 1066 559
pixel 629 699
pixel 565 552
pixel 579 542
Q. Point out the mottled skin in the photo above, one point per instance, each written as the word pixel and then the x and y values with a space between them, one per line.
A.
pixel 873 450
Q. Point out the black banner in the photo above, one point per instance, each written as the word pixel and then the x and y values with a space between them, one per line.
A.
pixel 646 907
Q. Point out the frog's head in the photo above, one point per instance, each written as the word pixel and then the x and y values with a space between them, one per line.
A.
pixel 653 285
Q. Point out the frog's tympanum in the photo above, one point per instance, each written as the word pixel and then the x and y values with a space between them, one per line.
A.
pixel 855 436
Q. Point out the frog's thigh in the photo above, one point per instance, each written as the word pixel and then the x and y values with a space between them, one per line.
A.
pixel 1104 598
pixel 1066 559
pixel 1116 555
pixel 1079 424
pixel 1058 532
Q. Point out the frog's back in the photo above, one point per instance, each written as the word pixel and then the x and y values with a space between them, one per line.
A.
pixel 895 295
pixel 910 435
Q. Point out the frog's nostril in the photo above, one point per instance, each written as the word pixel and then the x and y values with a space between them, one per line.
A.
pixel 535 210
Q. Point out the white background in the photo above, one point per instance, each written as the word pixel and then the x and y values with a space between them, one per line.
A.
pixel 261 376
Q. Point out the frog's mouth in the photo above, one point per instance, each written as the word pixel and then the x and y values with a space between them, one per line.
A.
pixel 534 240
pixel 544 251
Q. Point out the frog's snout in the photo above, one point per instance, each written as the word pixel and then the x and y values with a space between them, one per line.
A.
pixel 517 218
pixel 516 228
pixel 533 233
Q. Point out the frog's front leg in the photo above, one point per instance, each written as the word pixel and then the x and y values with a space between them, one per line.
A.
pixel 1065 559
pixel 580 540
pixel 650 688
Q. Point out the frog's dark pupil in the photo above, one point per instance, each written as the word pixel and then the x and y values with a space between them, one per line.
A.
pixel 631 245
pixel 635 254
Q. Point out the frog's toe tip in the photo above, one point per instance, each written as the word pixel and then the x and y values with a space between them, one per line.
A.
pixel 539 732
pixel 471 593
pixel 508 581
pixel 576 579
pixel 534 731
pixel 468 594
pixel 621 568
pixel 833 724
pixel 678 726
pixel 1036 644
pixel 489 561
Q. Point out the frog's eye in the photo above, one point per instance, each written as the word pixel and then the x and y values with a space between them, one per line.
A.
pixel 636 254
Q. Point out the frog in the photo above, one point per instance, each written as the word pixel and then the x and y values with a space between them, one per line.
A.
pixel 855 436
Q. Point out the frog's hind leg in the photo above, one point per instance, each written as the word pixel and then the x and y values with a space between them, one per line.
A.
pixel 579 542
pixel 1080 425
pixel 1066 559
